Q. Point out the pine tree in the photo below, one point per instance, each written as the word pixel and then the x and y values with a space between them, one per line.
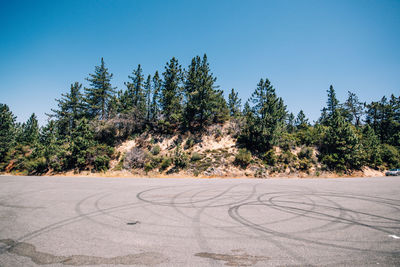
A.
pixel 341 148
pixel 354 109
pixel 332 102
pixel 301 121
pixel 204 104
pixel 155 103
pixel 70 109
pixel 171 93
pixel 135 91
pixel 7 130
pixel 290 126
pixel 147 94
pixel 30 132
pixel 81 140
pixel 191 90
pixel 371 146
pixel 383 117
pixel 219 108
pixel 234 103
pixel 50 146
pixel 100 93
pixel 265 122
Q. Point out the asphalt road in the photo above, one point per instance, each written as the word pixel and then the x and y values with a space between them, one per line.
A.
pixel 61 221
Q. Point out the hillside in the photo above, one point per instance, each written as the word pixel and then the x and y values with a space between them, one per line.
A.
pixel 211 154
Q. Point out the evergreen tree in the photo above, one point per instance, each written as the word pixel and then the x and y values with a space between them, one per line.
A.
pixel 30 132
pixel 147 94
pixel 70 109
pixel 341 148
pixel 264 124
pixel 7 130
pixel 50 146
pixel 219 108
pixel 332 102
pixel 383 117
pixel 100 93
pixel 234 103
pixel 290 126
pixel 155 103
pixel 332 105
pixel 354 109
pixel 171 93
pixel 82 139
pixel 135 95
pixel 203 101
pixel 246 109
pixel 371 146
pixel 301 121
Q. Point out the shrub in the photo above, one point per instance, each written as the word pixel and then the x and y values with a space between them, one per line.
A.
pixel 165 163
pixel 304 164
pixel 180 158
pixel 99 156
pixel 391 156
pixel 305 153
pixel 196 156
pixel 287 141
pixel 243 158
pixel 189 143
pixel 148 167
pixel 270 157
pixel 101 163
pixel 156 150
pixel 136 158
pixel 287 157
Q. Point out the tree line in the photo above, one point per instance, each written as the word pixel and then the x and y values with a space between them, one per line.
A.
pixel 88 122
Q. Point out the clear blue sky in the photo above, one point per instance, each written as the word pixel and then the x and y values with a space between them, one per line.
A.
pixel 301 46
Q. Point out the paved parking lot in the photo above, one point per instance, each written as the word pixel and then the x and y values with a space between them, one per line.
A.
pixel 61 221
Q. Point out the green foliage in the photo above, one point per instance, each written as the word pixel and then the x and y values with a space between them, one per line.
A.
pixel 372 148
pixel 305 153
pixel 341 149
pixel 353 109
pixel 171 93
pixel 155 103
pixel 265 121
pixel 135 96
pixel 99 157
pixel 391 156
pixel 189 143
pixel 156 150
pixel 290 126
pixel 165 163
pixel 287 157
pixel 7 131
pixel 81 141
pixel 204 104
pixel 384 118
pixel 287 141
pixel 243 158
pixel 301 121
pixel 196 157
pixel 270 157
pixel 100 92
pixel 234 104
pixel 181 159
pixel 29 134
pixel 70 109
pixel 304 164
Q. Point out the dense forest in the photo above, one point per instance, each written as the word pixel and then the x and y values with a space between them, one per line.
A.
pixel 83 131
